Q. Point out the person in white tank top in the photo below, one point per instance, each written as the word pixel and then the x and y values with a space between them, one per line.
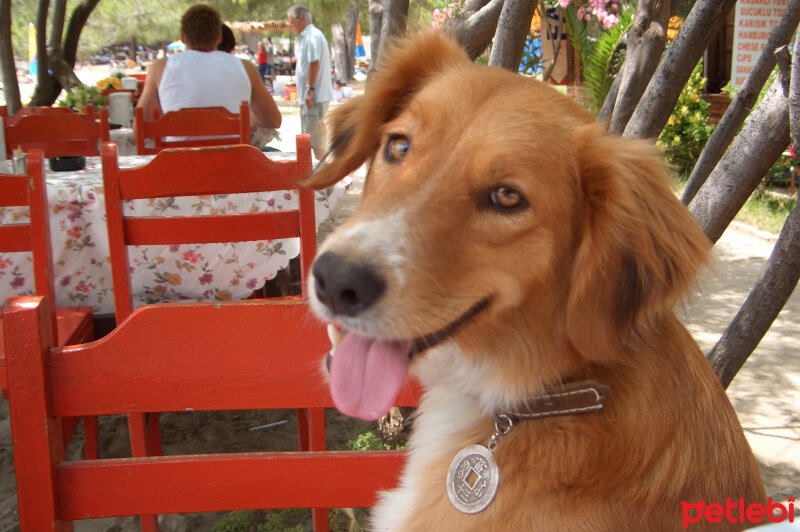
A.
pixel 203 76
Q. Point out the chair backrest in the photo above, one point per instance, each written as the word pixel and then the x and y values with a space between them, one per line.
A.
pixel 224 127
pixel 55 132
pixel 204 171
pixel 34 236
pixel 228 356
pixel 36 110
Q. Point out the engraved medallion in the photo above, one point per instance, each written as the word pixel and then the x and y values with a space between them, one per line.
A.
pixel 472 479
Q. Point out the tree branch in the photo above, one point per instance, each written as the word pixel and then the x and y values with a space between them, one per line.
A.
pixel 763 305
pixel 761 141
pixel 7 67
pixel 375 28
pixel 794 97
pixel 512 29
pixel 646 39
pixel 474 26
pixel 743 102
pixel 662 92
pixel 395 17
pixel 57 27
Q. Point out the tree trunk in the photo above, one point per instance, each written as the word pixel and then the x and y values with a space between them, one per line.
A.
pixel 475 25
pixel 7 67
pixel 755 149
pixel 375 25
pixel 395 17
pixel 350 37
pixel 604 116
pixel 63 60
pixel 744 100
pixel 763 305
pixel 57 27
pixel 646 38
pixel 662 92
pixel 339 51
pixel 76 23
pixel 794 92
pixel 512 29
pixel 41 43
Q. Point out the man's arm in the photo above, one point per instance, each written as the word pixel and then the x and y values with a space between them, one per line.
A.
pixel 149 96
pixel 264 111
pixel 313 72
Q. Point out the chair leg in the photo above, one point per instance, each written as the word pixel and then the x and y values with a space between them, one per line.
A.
pixel 141 437
pixel 91 438
pixel 311 425
pixel 154 434
pixel 302 429
pixel 149 523
pixel 319 518
pixel 68 426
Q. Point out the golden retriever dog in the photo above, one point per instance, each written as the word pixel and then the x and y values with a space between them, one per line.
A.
pixel 514 256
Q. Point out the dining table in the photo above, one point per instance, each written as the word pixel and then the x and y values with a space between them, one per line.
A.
pixel 199 272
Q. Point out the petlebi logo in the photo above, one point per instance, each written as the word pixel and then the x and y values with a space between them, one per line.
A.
pixel 736 511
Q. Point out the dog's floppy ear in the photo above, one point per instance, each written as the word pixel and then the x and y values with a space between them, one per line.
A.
pixel 354 127
pixel 639 249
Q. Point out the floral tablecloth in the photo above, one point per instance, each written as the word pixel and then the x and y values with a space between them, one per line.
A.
pixel 208 272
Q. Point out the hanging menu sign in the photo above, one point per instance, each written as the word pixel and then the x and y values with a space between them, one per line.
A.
pixel 754 22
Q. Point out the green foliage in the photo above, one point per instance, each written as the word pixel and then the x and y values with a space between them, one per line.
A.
pixel 239 521
pixel 766 210
pixel 601 58
pixel 687 132
pixel 368 441
pixel 288 520
pixel 77 98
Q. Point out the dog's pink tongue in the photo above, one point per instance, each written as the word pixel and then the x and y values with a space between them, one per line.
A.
pixel 367 374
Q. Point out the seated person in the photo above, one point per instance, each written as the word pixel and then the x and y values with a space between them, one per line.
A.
pixel 228 42
pixel 203 76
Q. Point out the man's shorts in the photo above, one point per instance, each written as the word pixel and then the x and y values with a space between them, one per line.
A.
pixel 311 123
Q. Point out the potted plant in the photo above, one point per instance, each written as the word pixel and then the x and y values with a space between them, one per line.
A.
pixel 80 95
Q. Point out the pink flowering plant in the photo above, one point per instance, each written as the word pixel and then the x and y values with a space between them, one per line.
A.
pixel 605 12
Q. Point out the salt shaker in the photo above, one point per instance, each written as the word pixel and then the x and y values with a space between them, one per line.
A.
pixel 19 164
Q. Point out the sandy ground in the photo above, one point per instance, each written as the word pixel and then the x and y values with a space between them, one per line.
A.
pixel 765 393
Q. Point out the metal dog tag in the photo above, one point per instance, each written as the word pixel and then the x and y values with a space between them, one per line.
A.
pixel 472 479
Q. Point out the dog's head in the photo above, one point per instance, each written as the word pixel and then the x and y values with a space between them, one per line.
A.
pixel 497 217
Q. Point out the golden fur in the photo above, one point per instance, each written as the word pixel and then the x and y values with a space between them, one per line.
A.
pixel 581 284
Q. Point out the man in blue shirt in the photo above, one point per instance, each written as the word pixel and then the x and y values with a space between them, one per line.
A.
pixel 313 71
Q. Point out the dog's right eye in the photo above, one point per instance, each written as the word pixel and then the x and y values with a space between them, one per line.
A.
pixel 506 199
pixel 396 148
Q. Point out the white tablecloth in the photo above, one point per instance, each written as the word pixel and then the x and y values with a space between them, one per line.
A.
pixel 210 272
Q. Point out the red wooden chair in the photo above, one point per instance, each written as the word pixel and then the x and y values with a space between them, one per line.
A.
pixel 57 133
pixel 205 171
pixel 73 325
pixel 224 127
pixel 35 110
pixel 230 356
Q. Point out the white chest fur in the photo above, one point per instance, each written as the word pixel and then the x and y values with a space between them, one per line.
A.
pixel 443 414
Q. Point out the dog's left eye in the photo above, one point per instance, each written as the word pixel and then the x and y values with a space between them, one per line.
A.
pixel 396 148
pixel 504 198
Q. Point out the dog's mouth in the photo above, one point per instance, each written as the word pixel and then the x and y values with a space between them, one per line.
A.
pixel 367 373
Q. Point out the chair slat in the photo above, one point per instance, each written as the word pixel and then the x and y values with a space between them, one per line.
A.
pixel 211 173
pixel 13 191
pixel 212 229
pixel 229 482
pixel 15 238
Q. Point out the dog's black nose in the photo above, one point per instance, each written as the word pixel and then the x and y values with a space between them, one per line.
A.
pixel 344 286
